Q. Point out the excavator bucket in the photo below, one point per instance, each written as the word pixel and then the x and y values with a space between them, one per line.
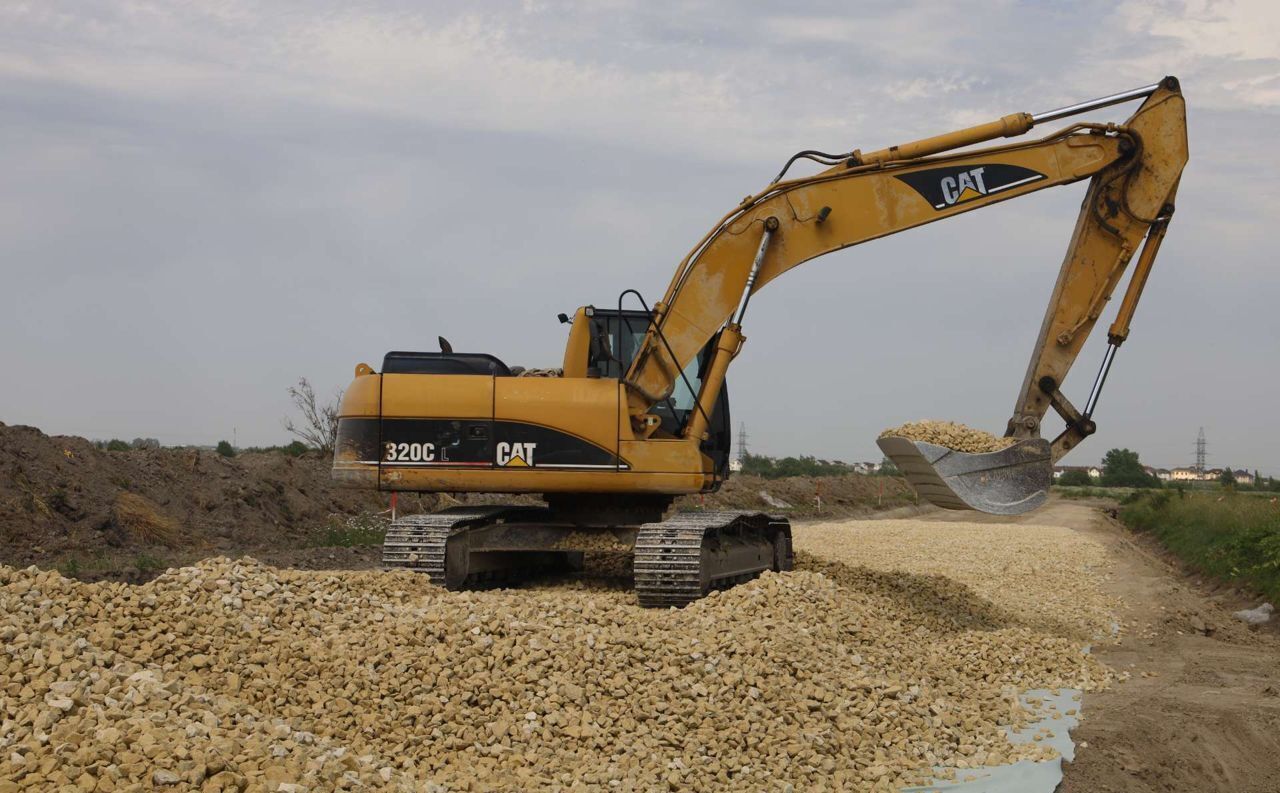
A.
pixel 1007 482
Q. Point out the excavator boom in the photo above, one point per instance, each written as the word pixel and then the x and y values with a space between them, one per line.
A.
pixel 1134 170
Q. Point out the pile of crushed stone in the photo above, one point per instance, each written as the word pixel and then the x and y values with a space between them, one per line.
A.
pixel 232 675
pixel 951 435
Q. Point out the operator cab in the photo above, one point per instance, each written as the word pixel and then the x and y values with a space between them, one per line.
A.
pixel 615 336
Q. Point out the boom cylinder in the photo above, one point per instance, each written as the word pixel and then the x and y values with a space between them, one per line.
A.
pixel 727 347
pixel 1119 330
pixel 1010 126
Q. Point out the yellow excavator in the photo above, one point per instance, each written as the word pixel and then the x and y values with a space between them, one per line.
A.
pixel 638 413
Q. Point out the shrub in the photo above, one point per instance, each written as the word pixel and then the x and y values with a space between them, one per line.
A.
pixel 117 445
pixel 318 428
pixel 779 467
pixel 225 449
pixel 1076 477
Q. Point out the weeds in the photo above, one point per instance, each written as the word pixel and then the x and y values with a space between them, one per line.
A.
pixel 366 528
pixel 1072 492
pixel 146 563
pixel 143 521
pixel 70 567
pixel 1230 536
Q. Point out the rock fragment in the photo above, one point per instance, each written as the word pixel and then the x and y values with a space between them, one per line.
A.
pixel 951 435
pixel 862 670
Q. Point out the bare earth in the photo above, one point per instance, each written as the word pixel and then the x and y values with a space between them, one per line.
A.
pixel 1201 710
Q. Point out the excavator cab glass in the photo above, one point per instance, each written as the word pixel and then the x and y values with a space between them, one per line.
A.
pixel 617 335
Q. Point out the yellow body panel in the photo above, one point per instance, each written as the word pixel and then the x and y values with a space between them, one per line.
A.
pixel 586 408
pixel 589 409
pixel 451 396
pixel 361 397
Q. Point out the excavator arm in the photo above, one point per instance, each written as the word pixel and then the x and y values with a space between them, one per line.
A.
pixel 1134 170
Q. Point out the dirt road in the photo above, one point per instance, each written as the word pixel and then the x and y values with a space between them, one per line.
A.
pixel 1201 710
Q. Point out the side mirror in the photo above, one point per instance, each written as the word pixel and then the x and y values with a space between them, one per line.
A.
pixel 564 319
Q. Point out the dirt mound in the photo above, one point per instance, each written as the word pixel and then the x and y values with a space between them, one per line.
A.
pixel 805 497
pixel 62 493
pixel 65 502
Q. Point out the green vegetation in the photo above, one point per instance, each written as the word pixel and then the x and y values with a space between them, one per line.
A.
pixel 114 445
pixel 1075 492
pixel 1076 478
pixel 146 563
pixel 1121 468
pixel 225 449
pixel 1232 536
pixel 777 468
pixel 367 528
pixel 295 449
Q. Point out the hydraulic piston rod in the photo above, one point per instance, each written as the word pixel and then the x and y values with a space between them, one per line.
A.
pixel 1094 104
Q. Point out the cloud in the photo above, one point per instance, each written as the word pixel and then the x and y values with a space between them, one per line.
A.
pixel 204 200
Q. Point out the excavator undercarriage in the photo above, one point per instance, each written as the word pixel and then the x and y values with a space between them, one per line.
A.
pixel 676 561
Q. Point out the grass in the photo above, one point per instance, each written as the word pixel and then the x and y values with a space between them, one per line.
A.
pixel 366 528
pixel 143 520
pixel 146 563
pixel 1091 491
pixel 1231 536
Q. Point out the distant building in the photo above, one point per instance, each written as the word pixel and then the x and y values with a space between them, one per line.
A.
pixel 1184 475
pixel 1092 470
pixel 1243 477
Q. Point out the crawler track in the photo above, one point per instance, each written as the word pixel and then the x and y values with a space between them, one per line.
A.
pixel 679 560
pixel 418 542
pixel 676 561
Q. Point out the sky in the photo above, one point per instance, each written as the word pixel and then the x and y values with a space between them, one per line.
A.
pixel 201 202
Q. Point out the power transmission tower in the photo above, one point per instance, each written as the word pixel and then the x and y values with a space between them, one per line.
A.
pixel 1201 455
pixel 742 441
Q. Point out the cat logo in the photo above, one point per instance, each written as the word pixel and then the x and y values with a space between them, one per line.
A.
pixel 519 455
pixel 964 186
pixel 953 185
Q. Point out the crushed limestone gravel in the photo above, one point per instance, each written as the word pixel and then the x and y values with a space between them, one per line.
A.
pixel 951 435
pixel 898 645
